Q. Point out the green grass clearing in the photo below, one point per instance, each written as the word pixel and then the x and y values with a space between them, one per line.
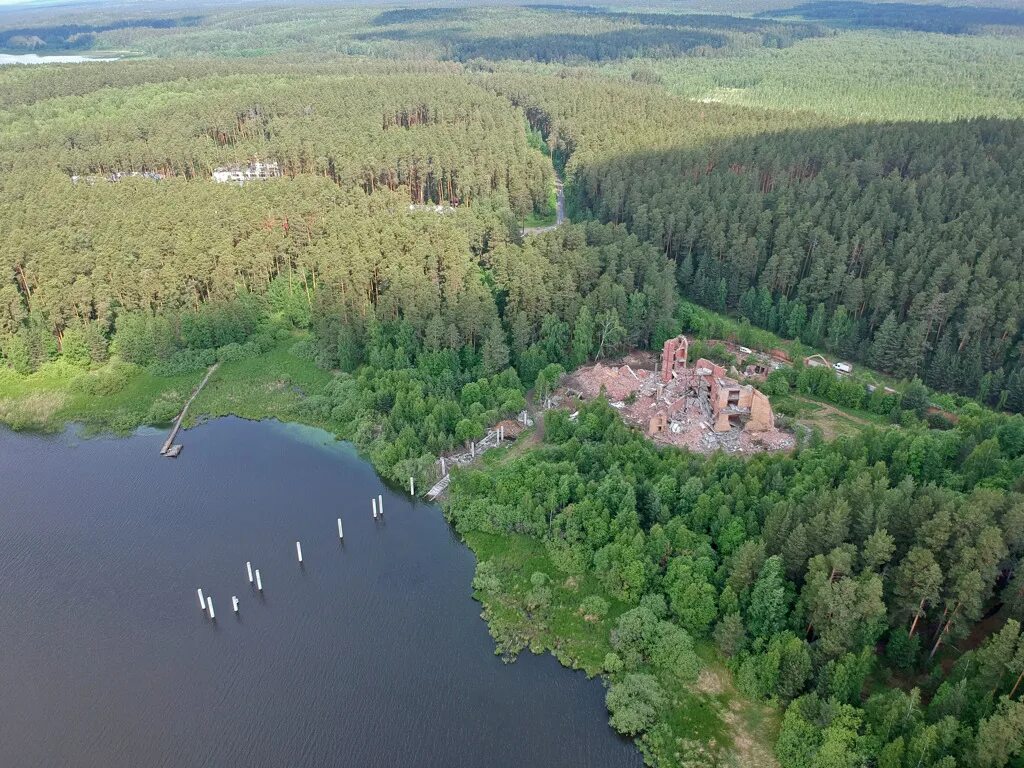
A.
pixel 271 385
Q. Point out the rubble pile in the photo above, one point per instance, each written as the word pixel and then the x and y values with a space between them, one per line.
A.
pixel 696 407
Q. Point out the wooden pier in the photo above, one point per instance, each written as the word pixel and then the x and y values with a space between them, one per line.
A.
pixel 169 449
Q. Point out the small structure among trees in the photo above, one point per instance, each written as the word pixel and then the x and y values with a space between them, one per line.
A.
pixel 240 174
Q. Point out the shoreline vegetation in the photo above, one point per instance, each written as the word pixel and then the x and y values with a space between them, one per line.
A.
pixel 690 709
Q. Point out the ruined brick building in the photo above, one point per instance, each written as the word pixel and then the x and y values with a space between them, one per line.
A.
pixel 698 405
pixel 705 389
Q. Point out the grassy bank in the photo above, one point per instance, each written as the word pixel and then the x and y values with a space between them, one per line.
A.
pixel 271 385
pixel 119 397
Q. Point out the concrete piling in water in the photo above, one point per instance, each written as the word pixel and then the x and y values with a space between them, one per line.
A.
pixel 209 604
pixel 298 550
pixel 202 600
pixel 341 535
pixel 248 570
pixel 259 582
pixel 234 603
pixel 380 505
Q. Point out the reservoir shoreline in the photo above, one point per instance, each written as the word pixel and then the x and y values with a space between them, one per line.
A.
pixel 372 653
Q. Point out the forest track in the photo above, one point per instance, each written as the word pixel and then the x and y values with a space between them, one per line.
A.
pixel 560 218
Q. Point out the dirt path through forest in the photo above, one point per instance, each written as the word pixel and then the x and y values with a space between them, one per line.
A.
pixel 560 218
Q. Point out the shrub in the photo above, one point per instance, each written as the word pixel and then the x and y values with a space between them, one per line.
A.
pixel 107 381
pixel 634 703
pixel 304 350
pixel 538 598
pixel 265 341
pixel 776 384
pixel 231 352
pixel 612 663
pixel 184 361
pixel 915 397
pixel 486 577
pixel 75 348
pixel 125 420
pixel 164 409
pixel 594 606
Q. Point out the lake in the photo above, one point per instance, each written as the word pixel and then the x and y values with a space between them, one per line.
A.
pixel 34 58
pixel 370 654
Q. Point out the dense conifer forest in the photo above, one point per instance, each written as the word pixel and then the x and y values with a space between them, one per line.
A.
pixel 843 176
pixel 804 228
pixel 798 568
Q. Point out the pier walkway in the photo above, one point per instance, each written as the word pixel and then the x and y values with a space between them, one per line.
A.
pixel 169 449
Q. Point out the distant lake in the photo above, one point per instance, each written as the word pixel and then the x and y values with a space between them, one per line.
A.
pixel 32 58
pixel 372 654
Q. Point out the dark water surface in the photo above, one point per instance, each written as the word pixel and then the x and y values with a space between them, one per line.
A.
pixel 372 654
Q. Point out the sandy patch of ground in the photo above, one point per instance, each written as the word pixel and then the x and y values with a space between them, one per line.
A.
pixel 709 682
pixel 748 751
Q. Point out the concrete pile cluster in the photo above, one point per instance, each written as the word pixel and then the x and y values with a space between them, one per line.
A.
pixel 698 407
